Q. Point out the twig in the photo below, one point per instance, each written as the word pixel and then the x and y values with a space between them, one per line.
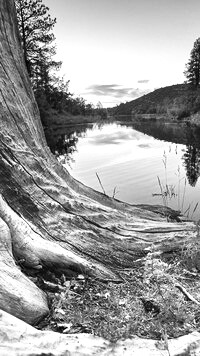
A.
pixel 186 293
pixel 100 183
pixel 51 287
pixel 165 339
pixel 114 192
pixel 183 198
pixel 195 208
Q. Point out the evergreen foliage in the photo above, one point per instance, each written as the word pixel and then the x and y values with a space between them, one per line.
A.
pixel 35 26
pixel 192 71
pixel 37 38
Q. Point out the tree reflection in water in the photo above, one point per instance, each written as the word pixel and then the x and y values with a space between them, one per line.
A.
pixel 179 133
pixel 191 159
pixel 63 141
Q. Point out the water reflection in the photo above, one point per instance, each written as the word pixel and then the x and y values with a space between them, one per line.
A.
pixel 177 133
pixel 191 159
pixel 180 134
pixel 64 140
pixel 130 157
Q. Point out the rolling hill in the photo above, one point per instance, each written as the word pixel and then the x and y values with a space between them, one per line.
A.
pixel 176 102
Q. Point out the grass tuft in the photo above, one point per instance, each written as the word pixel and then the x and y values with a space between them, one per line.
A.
pixel 148 304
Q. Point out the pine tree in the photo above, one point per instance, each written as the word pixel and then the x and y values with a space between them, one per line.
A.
pixel 192 71
pixel 35 27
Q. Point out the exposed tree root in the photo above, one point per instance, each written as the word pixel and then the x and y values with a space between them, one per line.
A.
pixel 18 295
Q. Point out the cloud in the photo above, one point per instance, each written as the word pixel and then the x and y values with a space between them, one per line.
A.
pixel 144 145
pixel 115 137
pixel 143 81
pixel 115 91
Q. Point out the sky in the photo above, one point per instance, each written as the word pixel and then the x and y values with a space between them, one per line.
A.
pixel 114 51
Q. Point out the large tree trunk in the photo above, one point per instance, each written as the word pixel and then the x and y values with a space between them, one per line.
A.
pixel 48 220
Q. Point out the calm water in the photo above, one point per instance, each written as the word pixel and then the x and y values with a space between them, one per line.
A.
pixel 135 162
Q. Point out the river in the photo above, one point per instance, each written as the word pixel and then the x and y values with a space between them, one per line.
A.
pixel 150 162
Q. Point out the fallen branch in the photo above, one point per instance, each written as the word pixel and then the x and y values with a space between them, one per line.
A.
pixel 186 293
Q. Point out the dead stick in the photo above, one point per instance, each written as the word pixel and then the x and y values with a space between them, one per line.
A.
pixel 100 183
pixel 186 293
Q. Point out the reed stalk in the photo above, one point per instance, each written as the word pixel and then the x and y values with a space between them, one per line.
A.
pixel 101 184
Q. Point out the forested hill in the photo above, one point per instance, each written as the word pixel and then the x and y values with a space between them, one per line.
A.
pixel 174 102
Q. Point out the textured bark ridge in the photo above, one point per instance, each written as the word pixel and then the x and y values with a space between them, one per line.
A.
pixel 48 220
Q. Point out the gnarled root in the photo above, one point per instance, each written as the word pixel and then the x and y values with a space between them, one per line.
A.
pixel 18 295
pixel 19 242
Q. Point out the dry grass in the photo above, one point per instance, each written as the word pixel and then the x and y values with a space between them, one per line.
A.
pixel 119 311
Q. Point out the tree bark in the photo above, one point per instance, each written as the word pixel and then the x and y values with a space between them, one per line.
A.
pixel 48 220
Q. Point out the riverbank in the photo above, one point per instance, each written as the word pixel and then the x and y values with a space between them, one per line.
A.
pixel 53 118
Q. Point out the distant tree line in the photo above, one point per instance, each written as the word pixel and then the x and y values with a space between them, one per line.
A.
pixel 37 40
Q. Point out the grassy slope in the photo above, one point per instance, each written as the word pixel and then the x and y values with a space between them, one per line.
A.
pixel 173 102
